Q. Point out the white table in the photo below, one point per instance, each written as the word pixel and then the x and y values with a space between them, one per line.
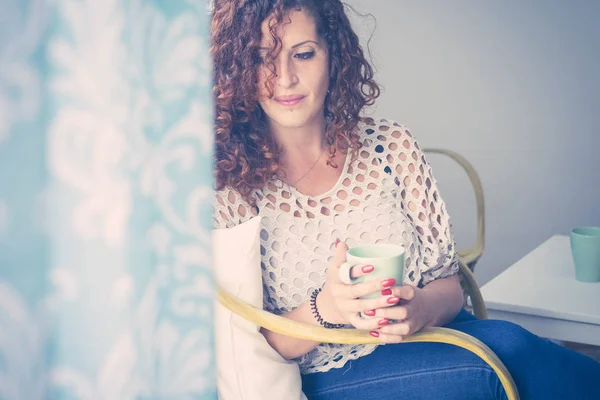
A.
pixel 540 293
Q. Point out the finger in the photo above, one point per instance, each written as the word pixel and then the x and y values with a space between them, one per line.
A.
pixel 405 292
pixel 363 289
pixel 340 254
pixel 399 329
pixel 370 306
pixel 398 313
pixel 386 337
pixel 367 324
pixel 361 270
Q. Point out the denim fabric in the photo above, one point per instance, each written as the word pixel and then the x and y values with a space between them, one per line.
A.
pixel 540 368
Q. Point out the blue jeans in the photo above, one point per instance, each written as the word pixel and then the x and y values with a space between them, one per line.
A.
pixel 540 368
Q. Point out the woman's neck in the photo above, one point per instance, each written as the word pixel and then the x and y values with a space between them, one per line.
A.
pixel 300 145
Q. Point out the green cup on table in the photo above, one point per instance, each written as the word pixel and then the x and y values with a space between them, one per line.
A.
pixel 585 249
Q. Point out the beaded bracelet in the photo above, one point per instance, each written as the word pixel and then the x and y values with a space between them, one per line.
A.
pixel 320 320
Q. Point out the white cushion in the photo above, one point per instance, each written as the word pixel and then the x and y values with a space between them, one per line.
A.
pixel 247 366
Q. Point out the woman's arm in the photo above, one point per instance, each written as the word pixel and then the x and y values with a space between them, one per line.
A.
pixel 433 296
pixel 290 347
pixel 443 300
pixel 286 346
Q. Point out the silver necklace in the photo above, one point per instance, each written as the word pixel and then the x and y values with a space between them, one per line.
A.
pixel 310 169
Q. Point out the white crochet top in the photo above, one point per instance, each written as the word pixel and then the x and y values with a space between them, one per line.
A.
pixel 387 194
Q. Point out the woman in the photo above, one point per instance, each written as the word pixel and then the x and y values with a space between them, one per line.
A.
pixel 291 83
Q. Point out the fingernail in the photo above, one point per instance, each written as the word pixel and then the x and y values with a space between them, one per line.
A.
pixel 384 321
pixel 388 283
pixel 368 268
pixel 393 300
pixel 370 313
pixel 386 292
pixel 337 241
pixel 374 333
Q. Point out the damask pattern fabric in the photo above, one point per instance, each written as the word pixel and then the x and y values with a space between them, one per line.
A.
pixel 386 195
pixel 106 290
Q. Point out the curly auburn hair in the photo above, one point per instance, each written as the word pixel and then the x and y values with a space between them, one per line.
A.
pixel 247 156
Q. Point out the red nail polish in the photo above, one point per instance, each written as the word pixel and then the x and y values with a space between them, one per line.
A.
pixel 384 321
pixel 388 283
pixel 393 300
pixel 386 292
pixel 374 333
pixel 337 241
pixel 367 268
pixel 370 313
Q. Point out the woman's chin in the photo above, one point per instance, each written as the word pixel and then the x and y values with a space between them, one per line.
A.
pixel 295 120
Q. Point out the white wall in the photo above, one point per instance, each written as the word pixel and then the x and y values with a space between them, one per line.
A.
pixel 514 87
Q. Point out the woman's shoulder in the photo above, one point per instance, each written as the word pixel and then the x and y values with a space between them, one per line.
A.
pixel 231 209
pixel 382 129
pixel 385 135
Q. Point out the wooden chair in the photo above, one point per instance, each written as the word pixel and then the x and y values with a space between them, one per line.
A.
pixel 467 259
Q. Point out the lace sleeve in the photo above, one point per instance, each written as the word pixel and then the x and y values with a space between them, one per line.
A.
pixel 230 209
pixel 425 209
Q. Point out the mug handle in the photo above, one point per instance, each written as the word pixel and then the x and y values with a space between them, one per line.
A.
pixel 344 274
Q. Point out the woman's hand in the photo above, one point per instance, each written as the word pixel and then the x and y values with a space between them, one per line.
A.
pixel 411 315
pixel 339 303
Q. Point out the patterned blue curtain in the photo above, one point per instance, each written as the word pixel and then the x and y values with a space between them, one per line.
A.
pixel 105 200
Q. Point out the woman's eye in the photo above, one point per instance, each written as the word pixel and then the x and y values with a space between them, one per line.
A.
pixel 306 55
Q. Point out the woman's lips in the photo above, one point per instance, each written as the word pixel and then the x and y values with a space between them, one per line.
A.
pixel 289 101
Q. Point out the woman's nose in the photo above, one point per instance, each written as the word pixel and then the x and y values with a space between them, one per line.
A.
pixel 286 74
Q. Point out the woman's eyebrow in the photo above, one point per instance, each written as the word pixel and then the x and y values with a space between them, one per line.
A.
pixel 306 41
pixel 294 46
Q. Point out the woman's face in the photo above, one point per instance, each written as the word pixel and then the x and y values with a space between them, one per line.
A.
pixel 302 69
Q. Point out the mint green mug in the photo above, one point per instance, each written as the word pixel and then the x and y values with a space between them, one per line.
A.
pixel 585 249
pixel 387 260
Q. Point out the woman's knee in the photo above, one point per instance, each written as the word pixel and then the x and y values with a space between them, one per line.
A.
pixel 507 339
